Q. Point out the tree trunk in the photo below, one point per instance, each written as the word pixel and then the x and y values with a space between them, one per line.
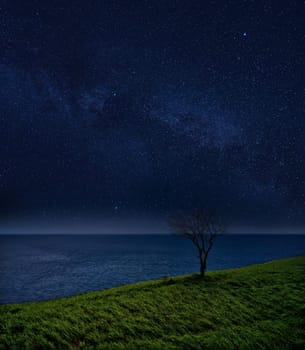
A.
pixel 203 265
pixel 202 269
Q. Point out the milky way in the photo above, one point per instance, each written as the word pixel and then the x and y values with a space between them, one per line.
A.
pixel 147 108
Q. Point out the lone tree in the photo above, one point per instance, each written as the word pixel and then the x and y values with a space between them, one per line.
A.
pixel 201 226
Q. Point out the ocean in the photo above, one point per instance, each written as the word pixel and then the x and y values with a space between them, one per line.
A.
pixel 41 267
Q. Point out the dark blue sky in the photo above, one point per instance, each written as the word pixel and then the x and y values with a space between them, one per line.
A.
pixel 140 108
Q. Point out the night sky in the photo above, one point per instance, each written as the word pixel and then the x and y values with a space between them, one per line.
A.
pixel 118 110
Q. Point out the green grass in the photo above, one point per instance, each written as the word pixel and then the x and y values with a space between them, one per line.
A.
pixel 256 307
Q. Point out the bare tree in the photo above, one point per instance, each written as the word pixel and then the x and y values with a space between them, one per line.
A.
pixel 201 226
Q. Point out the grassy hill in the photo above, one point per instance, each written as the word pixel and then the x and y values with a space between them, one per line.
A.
pixel 256 307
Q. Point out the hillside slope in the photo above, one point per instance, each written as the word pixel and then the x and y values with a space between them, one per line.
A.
pixel 256 307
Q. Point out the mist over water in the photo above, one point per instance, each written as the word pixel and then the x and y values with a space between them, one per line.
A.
pixel 40 267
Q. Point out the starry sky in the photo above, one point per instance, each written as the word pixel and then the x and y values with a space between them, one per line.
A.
pixel 120 110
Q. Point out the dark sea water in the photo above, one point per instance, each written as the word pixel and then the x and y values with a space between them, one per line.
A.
pixel 34 267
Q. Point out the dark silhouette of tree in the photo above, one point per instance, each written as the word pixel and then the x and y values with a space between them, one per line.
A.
pixel 201 226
